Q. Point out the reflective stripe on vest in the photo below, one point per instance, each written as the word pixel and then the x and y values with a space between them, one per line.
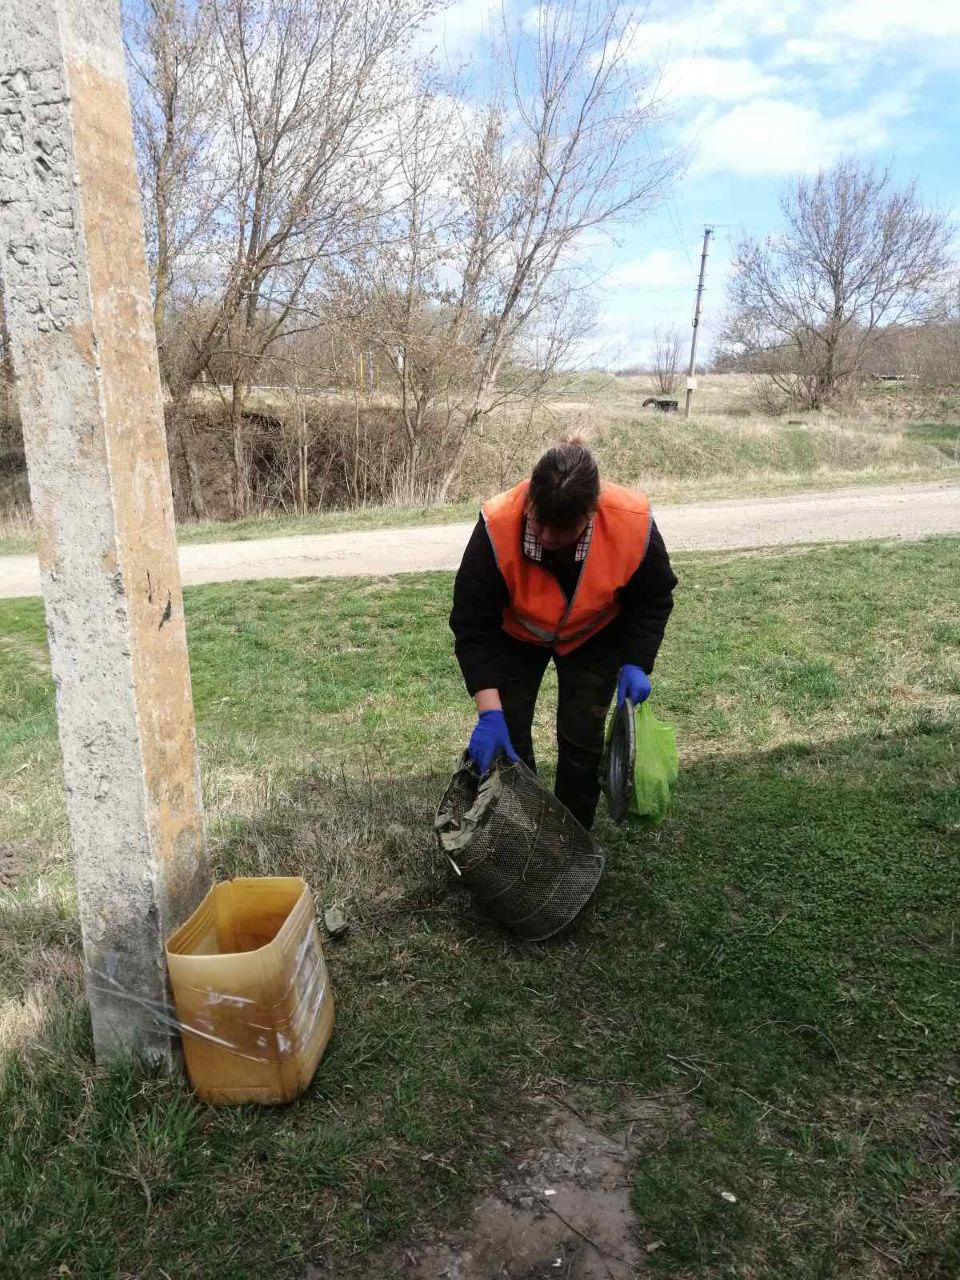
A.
pixel 538 611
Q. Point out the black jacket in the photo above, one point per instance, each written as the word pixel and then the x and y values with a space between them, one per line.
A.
pixel 480 594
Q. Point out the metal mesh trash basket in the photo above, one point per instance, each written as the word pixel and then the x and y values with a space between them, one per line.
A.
pixel 522 854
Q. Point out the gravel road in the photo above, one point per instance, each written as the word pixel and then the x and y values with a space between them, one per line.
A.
pixel 845 515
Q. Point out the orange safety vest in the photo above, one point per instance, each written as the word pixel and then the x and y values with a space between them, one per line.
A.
pixel 538 611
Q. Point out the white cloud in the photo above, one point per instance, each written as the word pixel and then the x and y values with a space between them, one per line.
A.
pixel 683 36
pixel 730 59
pixel 880 21
pixel 454 31
pixel 719 79
pixel 709 26
pixel 864 33
pixel 665 269
pixel 539 14
pixel 776 136
pixel 812 49
pixel 817 32
pixel 658 269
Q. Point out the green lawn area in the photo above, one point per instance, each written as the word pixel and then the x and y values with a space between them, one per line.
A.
pixel 944 435
pixel 282 526
pixel 779 959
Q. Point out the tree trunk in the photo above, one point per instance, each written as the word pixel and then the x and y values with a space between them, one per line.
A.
pixel 357 461
pixel 181 435
pixel 452 473
pixel 198 504
pixel 163 270
pixel 304 463
pixel 240 485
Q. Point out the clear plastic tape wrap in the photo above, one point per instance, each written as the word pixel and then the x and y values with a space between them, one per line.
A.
pixel 251 1028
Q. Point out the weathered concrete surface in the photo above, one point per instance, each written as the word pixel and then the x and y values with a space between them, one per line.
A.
pixel 84 355
pixel 844 515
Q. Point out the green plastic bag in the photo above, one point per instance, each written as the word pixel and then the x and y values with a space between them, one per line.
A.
pixel 656 766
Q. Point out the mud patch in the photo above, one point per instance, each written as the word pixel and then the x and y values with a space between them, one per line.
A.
pixel 16 861
pixel 563 1211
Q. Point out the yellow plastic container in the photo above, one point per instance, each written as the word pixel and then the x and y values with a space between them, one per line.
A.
pixel 251 991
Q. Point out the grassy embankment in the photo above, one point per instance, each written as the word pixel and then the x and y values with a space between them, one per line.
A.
pixel 727 451
pixel 779 960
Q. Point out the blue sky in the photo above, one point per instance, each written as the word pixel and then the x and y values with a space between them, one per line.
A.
pixel 756 91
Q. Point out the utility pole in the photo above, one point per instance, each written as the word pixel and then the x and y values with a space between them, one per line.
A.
pixel 88 385
pixel 691 378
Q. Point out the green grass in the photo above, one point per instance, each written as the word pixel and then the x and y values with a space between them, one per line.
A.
pixel 278 526
pixel 815 449
pixel 944 436
pixel 782 951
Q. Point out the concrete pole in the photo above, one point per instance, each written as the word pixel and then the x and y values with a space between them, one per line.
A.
pixel 692 367
pixel 84 356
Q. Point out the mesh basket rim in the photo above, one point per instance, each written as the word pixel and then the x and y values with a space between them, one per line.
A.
pixel 590 861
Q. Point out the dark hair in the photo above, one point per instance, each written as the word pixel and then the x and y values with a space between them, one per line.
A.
pixel 564 486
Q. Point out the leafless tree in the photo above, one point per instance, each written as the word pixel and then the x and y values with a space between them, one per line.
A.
pixel 481 298
pixel 939 355
pixel 168 52
pixel 298 176
pixel 666 358
pixel 856 253
pixel 296 91
pixel 935 348
pixel 168 48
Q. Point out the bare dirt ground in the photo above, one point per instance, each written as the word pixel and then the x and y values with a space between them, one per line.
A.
pixel 17 859
pixel 844 515
pixel 561 1210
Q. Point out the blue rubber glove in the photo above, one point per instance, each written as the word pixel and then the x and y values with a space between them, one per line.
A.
pixel 634 683
pixel 489 736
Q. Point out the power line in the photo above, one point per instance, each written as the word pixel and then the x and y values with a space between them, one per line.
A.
pixel 672 208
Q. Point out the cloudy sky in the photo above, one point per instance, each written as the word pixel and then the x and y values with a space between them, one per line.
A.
pixel 756 91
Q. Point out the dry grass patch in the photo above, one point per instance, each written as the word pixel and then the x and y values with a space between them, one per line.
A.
pixel 17 528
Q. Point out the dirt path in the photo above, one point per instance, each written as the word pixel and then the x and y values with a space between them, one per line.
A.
pixel 844 515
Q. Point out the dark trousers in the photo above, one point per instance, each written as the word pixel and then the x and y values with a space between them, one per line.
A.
pixel 586 680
